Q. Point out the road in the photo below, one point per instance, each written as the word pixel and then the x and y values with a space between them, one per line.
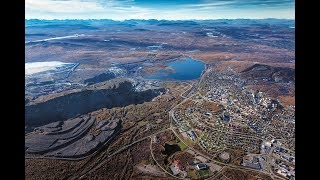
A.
pixel 171 115
pixel 97 159
pixel 104 157
pixel 151 151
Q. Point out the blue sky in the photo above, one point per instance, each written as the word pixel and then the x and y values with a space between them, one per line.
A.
pixel 159 9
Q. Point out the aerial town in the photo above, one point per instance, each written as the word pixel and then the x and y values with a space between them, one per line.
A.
pixel 203 100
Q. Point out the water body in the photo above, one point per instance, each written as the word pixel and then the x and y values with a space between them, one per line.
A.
pixel 169 150
pixel 182 70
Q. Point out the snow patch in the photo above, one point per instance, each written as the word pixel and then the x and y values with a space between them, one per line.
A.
pixel 55 38
pixel 37 67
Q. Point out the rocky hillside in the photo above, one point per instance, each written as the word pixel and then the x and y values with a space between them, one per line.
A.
pixel 117 93
pixel 269 73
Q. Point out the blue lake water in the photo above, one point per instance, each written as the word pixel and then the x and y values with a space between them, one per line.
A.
pixel 187 69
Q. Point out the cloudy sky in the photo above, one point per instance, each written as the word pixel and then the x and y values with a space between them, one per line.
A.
pixel 159 9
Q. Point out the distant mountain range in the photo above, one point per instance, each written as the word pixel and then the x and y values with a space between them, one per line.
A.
pixel 269 21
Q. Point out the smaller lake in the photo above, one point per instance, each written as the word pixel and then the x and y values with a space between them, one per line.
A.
pixel 169 150
pixel 187 69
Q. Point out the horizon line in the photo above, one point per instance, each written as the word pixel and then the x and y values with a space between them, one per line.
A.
pixel 163 19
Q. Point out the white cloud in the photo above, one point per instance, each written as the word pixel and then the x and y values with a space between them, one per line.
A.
pixel 74 6
pixel 128 9
pixel 215 4
pixel 74 9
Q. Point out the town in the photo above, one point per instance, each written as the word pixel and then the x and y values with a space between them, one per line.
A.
pixel 233 125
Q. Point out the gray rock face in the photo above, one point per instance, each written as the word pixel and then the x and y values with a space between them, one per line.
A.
pixel 45 139
pixel 71 138
pixel 74 104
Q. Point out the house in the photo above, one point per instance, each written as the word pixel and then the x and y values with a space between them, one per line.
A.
pixel 155 139
pixel 192 135
pixel 226 116
pixel 176 167
pixel 201 166
pixel 252 162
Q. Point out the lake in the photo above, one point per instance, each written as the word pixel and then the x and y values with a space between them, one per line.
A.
pixel 187 69
pixel 170 149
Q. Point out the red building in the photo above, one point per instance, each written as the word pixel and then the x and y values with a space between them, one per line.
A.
pixel 178 165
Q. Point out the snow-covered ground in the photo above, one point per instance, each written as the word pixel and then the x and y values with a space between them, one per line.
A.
pixel 36 67
pixel 55 38
pixel 210 34
pixel 42 78
pixel 117 71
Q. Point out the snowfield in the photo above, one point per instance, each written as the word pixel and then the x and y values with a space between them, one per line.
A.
pixel 55 38
pixel 37 67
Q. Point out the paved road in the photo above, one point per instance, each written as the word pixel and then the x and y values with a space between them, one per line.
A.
pixel 171 114
pixel 99 163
